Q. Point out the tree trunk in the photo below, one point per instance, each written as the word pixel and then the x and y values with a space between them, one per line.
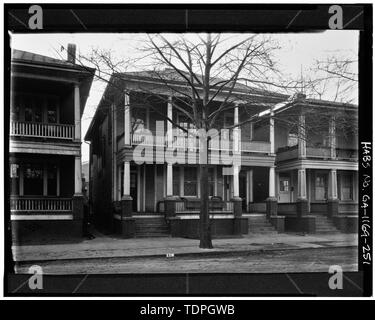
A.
pixel 204 221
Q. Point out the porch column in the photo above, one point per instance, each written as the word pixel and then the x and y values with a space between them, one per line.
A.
pixel 126 179
pixel 272 133
pixel 77 197
pixel 301 136
pixel 77 176
pixel 77 114
pixel 332 136
pixel 333 202
pixel 169 180
pixel 170 206
pixel 271 202
pixel 114 152
pixel 126 200
pixel 237 201
pixel 236 132
pixel 302 203
pixel 272 187
pixel 169 124
pixel 127 123
pixel 170 199
pixel 250 192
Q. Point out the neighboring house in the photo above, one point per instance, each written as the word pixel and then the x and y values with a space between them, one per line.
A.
pixel 48 97
pixel 86 176
pixel 317 163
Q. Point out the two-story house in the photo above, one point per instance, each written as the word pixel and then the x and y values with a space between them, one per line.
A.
pixel 133 198
pixel 317 165
pixel 48 97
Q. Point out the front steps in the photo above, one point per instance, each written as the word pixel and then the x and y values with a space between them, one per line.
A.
pixel 323 225
pixel 151 227
pixel 258 223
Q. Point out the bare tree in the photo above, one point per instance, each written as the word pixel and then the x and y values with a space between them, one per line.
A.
pixel 207 75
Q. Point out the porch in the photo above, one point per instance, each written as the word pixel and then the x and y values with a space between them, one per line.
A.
pixel 45 187
pixel 34 208
pixel 148 188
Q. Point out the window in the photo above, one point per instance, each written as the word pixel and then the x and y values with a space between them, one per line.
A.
pixel 228 122
pixel 292 139
pixel 346 186
pixel 139 116
pixel 16 108
pixel 52 180
pixel 284 184
pixel 33 179
pixel 52 110
pixel 190 181
pixel 14 178
pixel 320 186
pixel 34 108
pixel 28 113
pixel 38 110
pixel 176 181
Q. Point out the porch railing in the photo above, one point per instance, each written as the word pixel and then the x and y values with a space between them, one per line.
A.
pixel 214 207
pixel 30 204
pixel 318 152
pixel 347 154
pixel 42 130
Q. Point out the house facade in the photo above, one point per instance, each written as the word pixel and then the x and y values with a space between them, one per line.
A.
pixel 125 192
pixel 138 188
pixel 47 101
pixel 317 164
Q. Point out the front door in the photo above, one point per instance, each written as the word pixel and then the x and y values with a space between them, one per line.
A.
pixel 242 191
pixel 284 189
pixel 133 189
pixel 227 187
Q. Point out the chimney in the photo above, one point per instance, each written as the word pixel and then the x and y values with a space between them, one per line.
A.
pixel 71 53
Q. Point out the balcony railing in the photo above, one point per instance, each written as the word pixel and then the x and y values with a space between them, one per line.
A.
pixel 287 153
pixel 347 154
pixel 318 152
pixel 33 204
pixel 189 143
pixel 42 130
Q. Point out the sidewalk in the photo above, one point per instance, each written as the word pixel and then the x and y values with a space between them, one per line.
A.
pixel 111 247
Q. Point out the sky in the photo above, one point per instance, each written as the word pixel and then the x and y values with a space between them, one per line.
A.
pixel 297 53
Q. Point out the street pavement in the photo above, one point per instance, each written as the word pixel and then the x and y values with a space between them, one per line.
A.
pixel 280 261
pixel 104 247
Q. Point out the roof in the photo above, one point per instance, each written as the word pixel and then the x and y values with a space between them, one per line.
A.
pixel 280 101
pixel 30 57
pixel 174 77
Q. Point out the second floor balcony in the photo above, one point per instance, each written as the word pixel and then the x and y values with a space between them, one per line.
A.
pixel 317 152
pixel 192 143
pixel 42 130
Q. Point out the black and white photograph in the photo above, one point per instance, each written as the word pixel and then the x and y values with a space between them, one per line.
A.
pixel 192 152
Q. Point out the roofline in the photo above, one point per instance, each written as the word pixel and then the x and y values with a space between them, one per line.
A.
pixel 72 68
pixel 136 78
